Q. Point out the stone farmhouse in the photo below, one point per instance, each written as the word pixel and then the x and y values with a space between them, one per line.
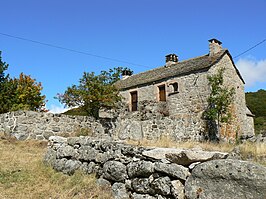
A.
pixel 168 101
pixel 171 99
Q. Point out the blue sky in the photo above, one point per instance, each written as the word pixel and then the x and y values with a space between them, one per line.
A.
pixel 140 32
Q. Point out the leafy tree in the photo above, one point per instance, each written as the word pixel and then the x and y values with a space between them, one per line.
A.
pixel 6 92
pixel 7 96
pixel 19 93
pixel 93 92
pixel 218 104
pixel 3 67
pixel 27 94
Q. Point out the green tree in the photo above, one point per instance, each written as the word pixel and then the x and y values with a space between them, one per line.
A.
pixel 3 67
pixel 19 93
pixel 219 101
pixel 6 90
pixel 93 92
pixel 27 94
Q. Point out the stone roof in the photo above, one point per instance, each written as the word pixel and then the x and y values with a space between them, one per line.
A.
pixel 181 68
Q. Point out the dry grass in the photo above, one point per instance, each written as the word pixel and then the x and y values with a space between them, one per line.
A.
pixel 255 152
pixel 168 143
pixel 23 175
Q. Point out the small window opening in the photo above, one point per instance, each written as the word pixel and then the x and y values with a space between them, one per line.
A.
pixel 134 101
pixel 175 86
pixel 162 93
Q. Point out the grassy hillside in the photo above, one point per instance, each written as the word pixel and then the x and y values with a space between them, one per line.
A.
pixel 256 101
pixel 23 175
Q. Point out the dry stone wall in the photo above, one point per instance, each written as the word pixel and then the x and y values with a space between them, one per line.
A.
pixel 152 121
pixel 35 125
pixel 158 173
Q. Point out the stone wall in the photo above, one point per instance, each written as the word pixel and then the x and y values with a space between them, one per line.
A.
pixel 35 125
pixel 152 121
pixel 158 173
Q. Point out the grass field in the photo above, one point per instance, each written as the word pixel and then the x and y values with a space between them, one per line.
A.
pixel 23 175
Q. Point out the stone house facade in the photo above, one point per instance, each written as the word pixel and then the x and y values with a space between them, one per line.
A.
pixel 171 99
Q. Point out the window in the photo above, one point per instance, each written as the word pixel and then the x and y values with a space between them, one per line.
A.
pixel 175 87
pixel 134 101
pixel 162 93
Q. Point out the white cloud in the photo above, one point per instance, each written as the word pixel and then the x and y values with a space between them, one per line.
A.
pixel 253 71
pixel 58 109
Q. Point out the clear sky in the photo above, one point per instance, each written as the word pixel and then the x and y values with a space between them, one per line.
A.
pixel 141 32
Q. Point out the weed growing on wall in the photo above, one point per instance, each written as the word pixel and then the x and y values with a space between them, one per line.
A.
pixel 219 102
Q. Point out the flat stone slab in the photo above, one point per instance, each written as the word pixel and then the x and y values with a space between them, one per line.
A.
pixel 187 157
pixel 159 153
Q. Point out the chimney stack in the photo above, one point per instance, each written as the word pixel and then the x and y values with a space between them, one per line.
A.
pixel 171 59
pixel 215 46
pixel 126 73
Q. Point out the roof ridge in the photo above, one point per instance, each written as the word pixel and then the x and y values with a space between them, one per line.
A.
pixel 146 71
pixel 162 72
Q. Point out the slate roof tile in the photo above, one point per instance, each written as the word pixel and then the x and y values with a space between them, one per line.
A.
pixel 181 68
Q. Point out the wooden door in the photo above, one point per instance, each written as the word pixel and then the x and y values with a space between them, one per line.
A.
pixel 134 101
pixel 162 93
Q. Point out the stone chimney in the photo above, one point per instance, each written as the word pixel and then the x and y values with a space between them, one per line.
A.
pixel 171 59
pixel 126 73
pixel 215 46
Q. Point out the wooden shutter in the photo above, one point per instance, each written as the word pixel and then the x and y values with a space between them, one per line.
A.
pixel 162 93
pixel 134 101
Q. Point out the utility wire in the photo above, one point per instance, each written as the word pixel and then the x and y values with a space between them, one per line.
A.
pixel 250 49
pixel 99 56
pixel 72 50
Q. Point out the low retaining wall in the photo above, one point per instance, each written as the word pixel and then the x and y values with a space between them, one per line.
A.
pixel 157 173
pixel 35 125
pixel 144 124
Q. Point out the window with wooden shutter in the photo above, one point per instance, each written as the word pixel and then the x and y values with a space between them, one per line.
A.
pixel 162 93
pixel 134 101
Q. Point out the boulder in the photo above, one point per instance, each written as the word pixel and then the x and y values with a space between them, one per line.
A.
pixel 50 156
pixel 140 168
pixel 173 170
pixel 177 189
pixel 59 164
pixel 162 185
pixel 227 179
pixel 103 182
pixel 142 185
pixel 119 191
pixel 66 152
pixel 71 166
pixel 87 153
pixel 88 168
pixel 115 171
pixel 187 157
pixel 142 196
